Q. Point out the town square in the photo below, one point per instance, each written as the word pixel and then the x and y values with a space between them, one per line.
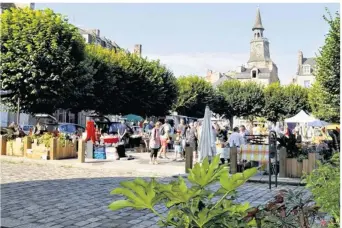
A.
pixel 170 115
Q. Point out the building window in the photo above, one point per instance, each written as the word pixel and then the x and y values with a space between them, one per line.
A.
pixel 254 73
pixel 307 83
pixel 306 70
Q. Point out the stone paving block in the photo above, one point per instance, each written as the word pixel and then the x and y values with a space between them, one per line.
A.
pixel 82 223
pixel 94 224
pixel 57 226
pixel 135 221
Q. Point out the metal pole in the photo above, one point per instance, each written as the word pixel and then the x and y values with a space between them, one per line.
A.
pixel 276 161
pixel 269 167
pixel 18 112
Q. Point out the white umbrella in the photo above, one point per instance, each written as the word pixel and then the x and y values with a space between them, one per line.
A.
pixel 206 142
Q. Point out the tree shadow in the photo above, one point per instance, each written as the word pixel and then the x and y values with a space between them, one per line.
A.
pixel 83 202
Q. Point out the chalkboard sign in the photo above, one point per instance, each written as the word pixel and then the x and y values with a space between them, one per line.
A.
pixel 99 152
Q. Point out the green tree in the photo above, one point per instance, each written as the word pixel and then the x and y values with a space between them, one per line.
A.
pixel 126 83
pixel 194 94
pixel 274 109
pixel 40 59
pixel 252 100
pixel 325 93
pixel 151 88
pixel 242 99
pixel 231 91
pixel 295 99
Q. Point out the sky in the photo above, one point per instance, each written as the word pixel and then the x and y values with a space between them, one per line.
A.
pixel 194 38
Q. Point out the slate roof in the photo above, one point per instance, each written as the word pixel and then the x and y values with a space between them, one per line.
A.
pixel 307 61
pixel 310 61
pixel 258 22
pixel 221 80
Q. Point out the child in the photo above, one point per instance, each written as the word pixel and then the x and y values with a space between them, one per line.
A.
pixel 177 145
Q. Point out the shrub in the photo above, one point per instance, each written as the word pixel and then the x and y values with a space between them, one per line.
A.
pixel 324 183
pixel 194 206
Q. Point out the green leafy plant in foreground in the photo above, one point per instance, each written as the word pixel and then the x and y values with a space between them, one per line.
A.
pixel 194 206
pixel 324 183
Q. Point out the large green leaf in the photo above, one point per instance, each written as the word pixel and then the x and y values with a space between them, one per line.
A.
pixel 139 193
pixel 230 183
pixel 205 173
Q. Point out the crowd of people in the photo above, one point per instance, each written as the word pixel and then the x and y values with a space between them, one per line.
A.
pixel 166 136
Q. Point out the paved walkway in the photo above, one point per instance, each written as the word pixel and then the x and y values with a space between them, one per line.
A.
pixel 45 195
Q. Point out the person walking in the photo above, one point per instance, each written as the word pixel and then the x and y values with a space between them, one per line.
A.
pixel 192 138
pixel 165 139
pixel 181 128
pixel 155 143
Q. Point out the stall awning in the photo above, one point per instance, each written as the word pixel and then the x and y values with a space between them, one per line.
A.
pixel 301 117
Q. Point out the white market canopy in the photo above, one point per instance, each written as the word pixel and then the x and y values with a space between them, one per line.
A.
pixel 301 117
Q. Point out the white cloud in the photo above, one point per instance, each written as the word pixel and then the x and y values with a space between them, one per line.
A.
pixel 199 63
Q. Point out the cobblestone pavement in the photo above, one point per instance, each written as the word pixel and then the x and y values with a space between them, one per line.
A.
pixel 34 195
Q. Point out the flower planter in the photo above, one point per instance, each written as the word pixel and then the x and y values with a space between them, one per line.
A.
pixel 294 168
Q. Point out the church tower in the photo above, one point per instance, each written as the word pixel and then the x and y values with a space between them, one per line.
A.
pixel 259 52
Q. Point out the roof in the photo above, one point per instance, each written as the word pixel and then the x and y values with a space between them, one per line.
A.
pixel 221 80
pixel 262 73
pixel 307 61
pixel 310 61
pixel 258 22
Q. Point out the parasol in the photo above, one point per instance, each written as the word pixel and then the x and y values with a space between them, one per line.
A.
pixel 206 142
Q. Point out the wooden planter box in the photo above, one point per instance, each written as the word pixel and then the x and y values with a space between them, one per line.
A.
pixel 15 148
pixel 67 150
pixel 297 169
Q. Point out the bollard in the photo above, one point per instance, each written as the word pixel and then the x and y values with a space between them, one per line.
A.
pixel 53 149
pixel 27 144
pixel 188 158
pixel 233 160
pixel 3 144
pixel 282 162
pixel 81 151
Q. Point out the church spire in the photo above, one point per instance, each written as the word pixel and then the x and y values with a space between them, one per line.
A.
pixel 258 23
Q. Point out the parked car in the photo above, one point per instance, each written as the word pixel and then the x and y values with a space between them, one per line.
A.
pixel 27 128
pixel 50 124
pixel 70 129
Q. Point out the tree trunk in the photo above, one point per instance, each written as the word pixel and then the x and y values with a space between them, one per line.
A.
pixel 76 117
pixel 231 119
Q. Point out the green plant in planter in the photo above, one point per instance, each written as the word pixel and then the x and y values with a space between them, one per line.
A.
pixel 324 183
pixel 191 207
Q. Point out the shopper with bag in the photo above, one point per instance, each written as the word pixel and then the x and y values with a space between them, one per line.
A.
pixel 155 143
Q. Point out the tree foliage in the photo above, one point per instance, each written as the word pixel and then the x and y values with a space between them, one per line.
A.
pixel 242 99
pixel 46 64
pixel 194 93
pixel 274 109
pixel 295 99
pixel 284 101
pixel 325 93
pixel 40 57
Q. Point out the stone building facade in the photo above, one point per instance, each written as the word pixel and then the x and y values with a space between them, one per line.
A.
pixel 260 67
pixel 305 69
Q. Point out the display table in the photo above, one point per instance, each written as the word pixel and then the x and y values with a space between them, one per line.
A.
pixel 258 153
pixel 110 139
